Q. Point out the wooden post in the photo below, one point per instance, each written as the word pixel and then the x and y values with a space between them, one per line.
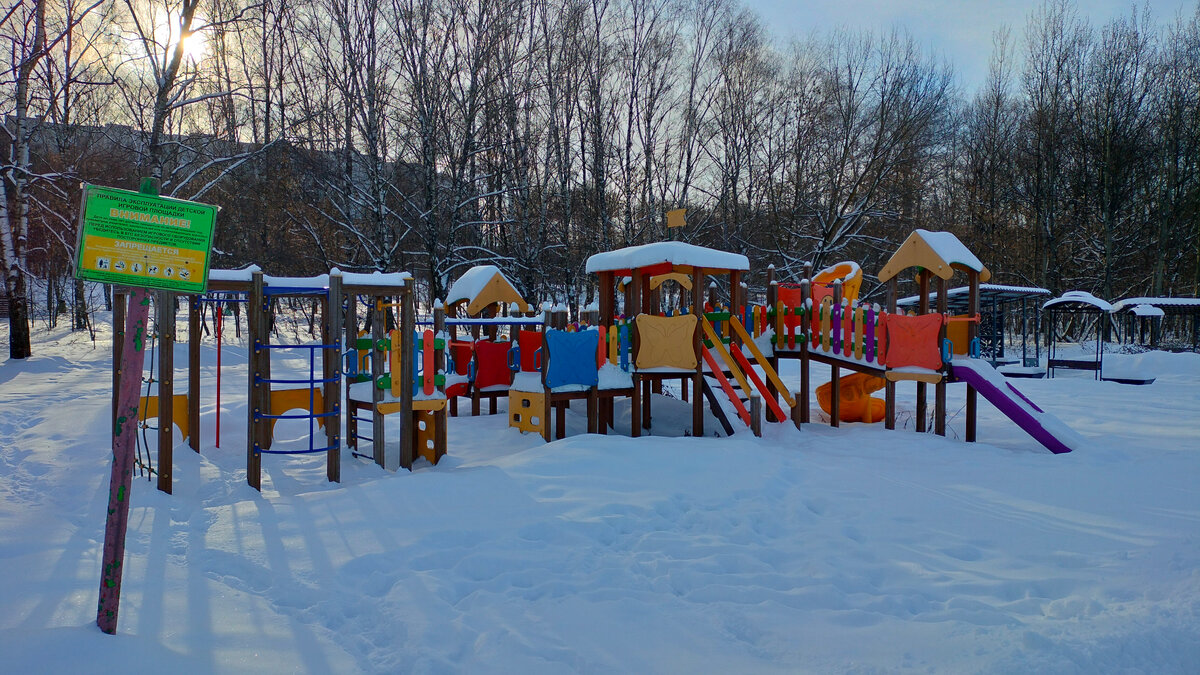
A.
pixel 408 321
pixel 835 383
pixel 804 401
pixel 923 308
pixel 645 306
pixel 972 328
pixel 378 431
pixel 939 396
pixel 350 342
pixel 331 329
pixel 889 389
pixel 255 400
pixel 633 294
pixel 194 372
pixel 124 437
pixel 697 346
pixel 772 301
pixel 756 409
pixel 164 310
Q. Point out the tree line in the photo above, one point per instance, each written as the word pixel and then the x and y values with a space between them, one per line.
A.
pixel 431 135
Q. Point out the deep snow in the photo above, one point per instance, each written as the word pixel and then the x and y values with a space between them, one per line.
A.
pixel 823 550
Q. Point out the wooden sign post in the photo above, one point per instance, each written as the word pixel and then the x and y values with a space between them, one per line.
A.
pixel 125 417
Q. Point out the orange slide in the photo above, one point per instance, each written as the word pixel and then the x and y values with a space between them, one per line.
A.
pixel 856 404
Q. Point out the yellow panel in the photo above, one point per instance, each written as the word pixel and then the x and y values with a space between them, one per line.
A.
pixel 895 376
pixel 666 341
pixel 916 252
pixel 496 290
pixel 678 277
pixel 179 411
pixel 676 218
pixel 283 400
pixel 425 431
pixel 850 274
pixel 526 411
pixel 956 331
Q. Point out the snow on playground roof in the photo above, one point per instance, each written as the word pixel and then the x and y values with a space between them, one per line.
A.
pixel 1167 305
pixel 1147 310
pixel 988 293
pixel 243 274
pixel 485 284
pixel 321 281
pixel 938 252
pixel 1082 297
pixel 674 252
pixel 373 278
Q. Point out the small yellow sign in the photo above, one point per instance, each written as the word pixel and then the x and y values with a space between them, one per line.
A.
pixel 675 218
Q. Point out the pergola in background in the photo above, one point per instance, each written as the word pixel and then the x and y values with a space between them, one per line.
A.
pixel 1155 314
pixel 1085 307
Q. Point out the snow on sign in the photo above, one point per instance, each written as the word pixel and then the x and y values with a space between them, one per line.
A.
pixel 135 239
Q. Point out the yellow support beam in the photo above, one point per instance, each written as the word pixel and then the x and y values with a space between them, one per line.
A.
pixel 761 360
pixel 725 356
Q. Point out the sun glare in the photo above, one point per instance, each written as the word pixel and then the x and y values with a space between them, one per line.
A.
pixel 195 47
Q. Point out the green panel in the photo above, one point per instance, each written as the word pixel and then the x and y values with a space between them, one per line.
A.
pixel 135 239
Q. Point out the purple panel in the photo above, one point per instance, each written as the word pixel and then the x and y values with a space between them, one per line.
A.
pixel 869 324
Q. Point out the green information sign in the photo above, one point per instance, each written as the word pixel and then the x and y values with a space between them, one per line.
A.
pixel 135 239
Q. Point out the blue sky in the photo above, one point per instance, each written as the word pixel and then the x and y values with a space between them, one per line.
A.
pixel 961 30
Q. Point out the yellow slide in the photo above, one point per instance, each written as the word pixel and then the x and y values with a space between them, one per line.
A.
pixel 855 402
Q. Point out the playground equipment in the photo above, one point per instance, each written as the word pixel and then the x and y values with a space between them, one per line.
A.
pixel 480 300
pixel 885 344
pixel 996 303
pixel 565 363
pixel 688 345
pixel 315 397
pixel 398 372
pixel 855 403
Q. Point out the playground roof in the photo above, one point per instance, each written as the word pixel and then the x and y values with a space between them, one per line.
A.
pixel 938 252
pixel 989 294
pixel 239 280
pixel 1167 305
pixel 373 278
pixel 672 252
pixel 484 285
pixel 243 274
pixel 1078 300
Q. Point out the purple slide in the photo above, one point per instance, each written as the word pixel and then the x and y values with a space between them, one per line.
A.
pixel 1044 427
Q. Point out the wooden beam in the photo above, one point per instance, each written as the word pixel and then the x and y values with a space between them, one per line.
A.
pixel 331 328
pixel 164 306
pixel 255 401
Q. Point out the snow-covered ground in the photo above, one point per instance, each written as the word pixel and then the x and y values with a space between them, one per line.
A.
pixel 823 550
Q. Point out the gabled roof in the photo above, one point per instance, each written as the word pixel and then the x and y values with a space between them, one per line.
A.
pixel 673 252
pixel 939 252
pixel 484 285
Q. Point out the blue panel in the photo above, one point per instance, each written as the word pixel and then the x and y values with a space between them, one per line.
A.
pixel 572 358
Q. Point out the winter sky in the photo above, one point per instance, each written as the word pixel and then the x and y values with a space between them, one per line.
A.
pixel 960 30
